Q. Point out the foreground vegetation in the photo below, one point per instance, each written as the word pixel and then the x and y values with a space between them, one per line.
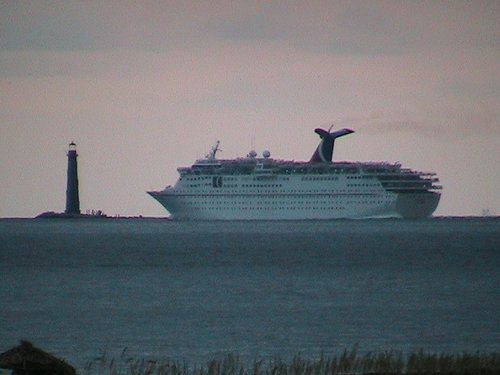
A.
pixel 349 362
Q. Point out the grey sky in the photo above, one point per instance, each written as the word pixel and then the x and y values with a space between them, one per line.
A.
pixel 144 87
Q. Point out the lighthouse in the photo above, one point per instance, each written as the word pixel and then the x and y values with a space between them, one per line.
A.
pixel 72 198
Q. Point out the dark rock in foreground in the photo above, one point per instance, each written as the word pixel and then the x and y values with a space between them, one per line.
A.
pixel 26 359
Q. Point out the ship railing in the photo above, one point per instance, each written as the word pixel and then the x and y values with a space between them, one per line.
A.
pixel 419 181
pixel 406 173
pixel 414 188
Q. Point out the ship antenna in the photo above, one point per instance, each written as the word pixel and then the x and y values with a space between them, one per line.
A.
pixel 213 151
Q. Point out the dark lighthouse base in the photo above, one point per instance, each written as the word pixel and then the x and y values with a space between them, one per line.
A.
pixel 64 215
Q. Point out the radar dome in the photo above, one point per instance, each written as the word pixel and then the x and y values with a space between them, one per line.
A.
pixel 252 154
pixel 266 154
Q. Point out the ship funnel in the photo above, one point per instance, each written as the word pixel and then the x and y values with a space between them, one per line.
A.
pixel 72 198
pixel 324 151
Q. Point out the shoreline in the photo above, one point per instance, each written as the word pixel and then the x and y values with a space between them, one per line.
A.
pixel 62 216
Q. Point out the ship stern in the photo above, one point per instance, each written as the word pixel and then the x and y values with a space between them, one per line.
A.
pixel 417 205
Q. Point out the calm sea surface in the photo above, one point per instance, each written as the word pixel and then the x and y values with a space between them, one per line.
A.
pixel 194 291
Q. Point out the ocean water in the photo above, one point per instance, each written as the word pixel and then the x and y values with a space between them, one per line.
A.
pixel 192 291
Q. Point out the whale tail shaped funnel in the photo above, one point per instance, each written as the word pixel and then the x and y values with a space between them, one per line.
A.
pixel 324 151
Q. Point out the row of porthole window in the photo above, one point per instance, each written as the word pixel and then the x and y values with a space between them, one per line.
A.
pixel 362 185
pixel 321 178
pixel 306 205
pixel 197 178
pixel 360 177
pixel 267 207
pixel 226 178
pixel 270 199
pixel 288 208
pixel 261 186
pixel 283 191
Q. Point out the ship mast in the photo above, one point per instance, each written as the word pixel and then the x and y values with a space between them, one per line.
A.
pixel 213 152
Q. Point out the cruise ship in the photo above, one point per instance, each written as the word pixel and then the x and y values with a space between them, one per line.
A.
pixel 263 188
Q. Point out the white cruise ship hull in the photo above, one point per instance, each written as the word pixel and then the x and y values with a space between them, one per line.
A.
pixel 296 206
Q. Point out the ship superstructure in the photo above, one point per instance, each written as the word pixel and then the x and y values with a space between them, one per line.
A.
pixel 263 188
